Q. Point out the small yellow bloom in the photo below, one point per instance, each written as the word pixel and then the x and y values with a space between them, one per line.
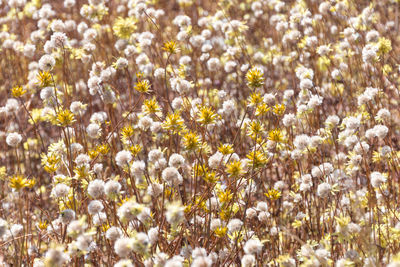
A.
pixel 275 135
pixel 18 182
pixel 17 91
pixel 191 141
pixel 65 118
pixel 43 225
pixel 142 86
pixel 124 27
pixel 254 78
pixel 279 109
pixel 220 231
pixel 207 116
pixel 171 47
pixel 273 194
pixel 235 168
pixel 384 46
pixel 226 149
pixel 44 78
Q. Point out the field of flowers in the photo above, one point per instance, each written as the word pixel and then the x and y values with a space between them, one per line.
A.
pixel 199 133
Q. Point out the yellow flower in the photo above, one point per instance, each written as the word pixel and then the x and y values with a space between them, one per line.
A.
pixel 275 135
pixel 226 149
pixel 255 129
pixel 235 168
pixel 103 149
pixel 174 123
pixel 124 27
pixel 43 225
pixel 255 99
pixel 279 109
pixel 135 149
pixel 171 47
pixel 257 159
pixel 142 86
pixel 210 177
pixel 384 46
pixel 273 194
pixel 44 78
pixel 207 116
pixel 254 78
pixel 220 231
pixel 225 197
pixel 262 109
pixel 150 106
pixel 127 132
pixel 17 91
pixel 65 118
pixel 18 182
pixel 191 141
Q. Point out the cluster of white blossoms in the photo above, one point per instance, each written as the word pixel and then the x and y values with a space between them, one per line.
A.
pixel 199 133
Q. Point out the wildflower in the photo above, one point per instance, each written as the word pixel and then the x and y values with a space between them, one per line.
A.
pixel 142 86
pixel 17 91
pixel 377 179
pixel 123 158
pixel 191 141
pixel 46 63
pixel 124 27
pixel 67 216
pixel 248 260
pixel 59 39
pixel 123 246
pixel 44 78
pixel 254 78
pixel 170 47
pixel 18 182
pixel 172 176
pixel 324 189
pixel 95 206
pixel 65 118
pixel 60 190
pixel 175 214
pixel 55 257
pixel 13 139
pixel 301 141
pixel 93 130
pixel 176 160
pixel 384 46
pixel 12 105
pixel 96 188
pixel 253 246
pixel 112 188
pixel 137 168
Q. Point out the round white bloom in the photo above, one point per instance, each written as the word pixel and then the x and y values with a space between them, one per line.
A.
pixel 47 62
pixel 96 188
pixel 301 141
pixel 176 160
pixel 253 246
pixel 13 139
pixel 324 189
pixel 60 190
pixel 112 188
pixel 95 206
pixel 172 176
pixel 123 246
pixel 377 179
pixel 123 158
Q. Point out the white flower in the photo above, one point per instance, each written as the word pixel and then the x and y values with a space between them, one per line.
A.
pixel 47 62
pixel 123 158
pixel 253 246
pixel 13 139
pixel 377 179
